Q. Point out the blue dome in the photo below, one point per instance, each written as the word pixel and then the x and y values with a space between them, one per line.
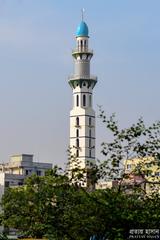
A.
pixel 82 30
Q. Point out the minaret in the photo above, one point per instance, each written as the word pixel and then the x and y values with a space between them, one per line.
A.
pixel 82 115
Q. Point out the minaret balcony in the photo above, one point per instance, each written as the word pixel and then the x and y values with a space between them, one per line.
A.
pixel 82 50
pixel 78 77
pixel 78 80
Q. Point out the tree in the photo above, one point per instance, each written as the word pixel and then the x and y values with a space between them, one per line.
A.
pixel 135 142
pixel 57 207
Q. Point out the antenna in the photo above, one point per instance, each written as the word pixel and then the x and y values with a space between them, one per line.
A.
pixel 82 11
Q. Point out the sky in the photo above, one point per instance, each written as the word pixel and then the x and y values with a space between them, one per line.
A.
pixel 36 40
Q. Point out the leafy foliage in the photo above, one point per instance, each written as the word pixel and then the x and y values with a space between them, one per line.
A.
pixel 56 207
pixel 137 141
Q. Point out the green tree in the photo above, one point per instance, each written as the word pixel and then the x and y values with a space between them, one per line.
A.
pixel 59 208
pixel 137 141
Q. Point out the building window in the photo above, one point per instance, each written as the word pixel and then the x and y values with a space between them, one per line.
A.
pixel 77 153
pixel 77 133
pixel 84 100
pixel 77 143
pixel 77 121
pixel 7 184
pixel 90 121
pixel 77 101
pixel 27 172
pixel 20 183
pixel 38 173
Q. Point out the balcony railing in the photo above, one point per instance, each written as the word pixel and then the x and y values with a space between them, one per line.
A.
pixel 82 50
pixel 76 77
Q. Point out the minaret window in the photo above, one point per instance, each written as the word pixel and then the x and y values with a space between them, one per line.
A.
pixel 84 56
pixel 90 133
pixel 77 133
pixel 89 143
pixel 90 153
pixel 77 153
pixel 84 84
pixel 84 100
pixel 90 100
pixel 90 121
pixel 77 101
pixel 77 121
pixel 77 143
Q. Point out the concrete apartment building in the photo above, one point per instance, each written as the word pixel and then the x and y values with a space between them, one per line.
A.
pixel 18 168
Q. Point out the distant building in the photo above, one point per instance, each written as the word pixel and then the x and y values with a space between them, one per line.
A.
pixel 144 172
pixel 18 168
pixel 140 172
pixel 106 184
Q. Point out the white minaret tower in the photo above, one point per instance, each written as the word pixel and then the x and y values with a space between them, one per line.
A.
pixel 82 115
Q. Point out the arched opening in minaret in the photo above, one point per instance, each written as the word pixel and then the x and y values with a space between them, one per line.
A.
pixel 77 153
pixel 77 133
pixel 77 121
pixel 90 121
pixel 84 100
pixel 77 143
pixel 90 133
pixel 90 100
pixel 77 101
pixel 90 153
pixel 89 143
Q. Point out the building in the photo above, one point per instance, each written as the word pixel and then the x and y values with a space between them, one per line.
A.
pixel 82 115
pixel 144 172
pixel 107 184
pixel 18 168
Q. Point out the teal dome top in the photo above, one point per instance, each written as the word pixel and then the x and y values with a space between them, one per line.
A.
pixel 82 30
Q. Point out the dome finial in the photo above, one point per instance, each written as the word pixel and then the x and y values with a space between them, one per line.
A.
pixel 82 11
pixel 82 30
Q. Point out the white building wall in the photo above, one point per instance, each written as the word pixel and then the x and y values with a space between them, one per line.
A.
pixel 2 184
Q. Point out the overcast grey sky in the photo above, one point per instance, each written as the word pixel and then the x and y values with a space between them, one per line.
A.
pixel 36 39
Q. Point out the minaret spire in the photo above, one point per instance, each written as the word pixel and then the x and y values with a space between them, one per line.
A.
pixel 82 115
pixel 82 11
